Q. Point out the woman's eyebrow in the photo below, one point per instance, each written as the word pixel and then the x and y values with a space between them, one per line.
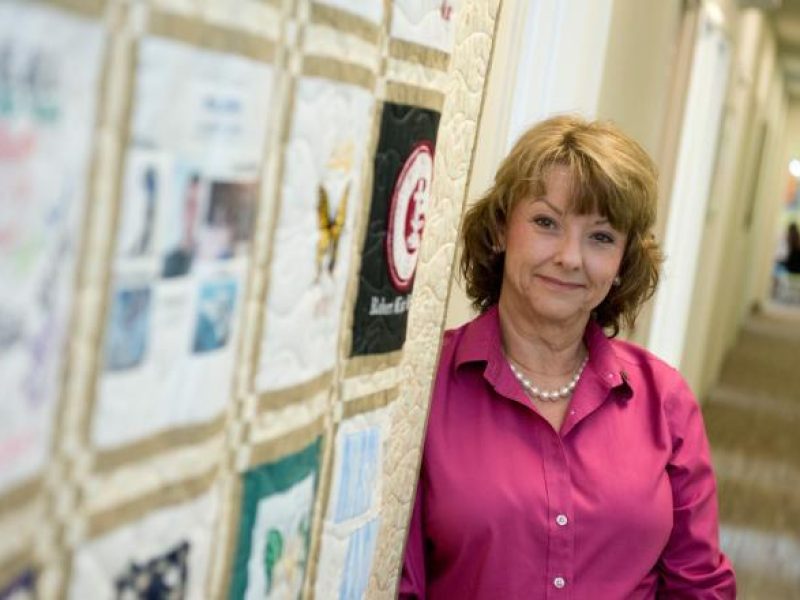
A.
pixel 560 212
pixel 552 206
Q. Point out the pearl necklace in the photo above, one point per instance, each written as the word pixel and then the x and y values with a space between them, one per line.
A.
pixel 550 396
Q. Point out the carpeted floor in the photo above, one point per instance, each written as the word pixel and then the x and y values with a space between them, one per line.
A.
pixel 753 422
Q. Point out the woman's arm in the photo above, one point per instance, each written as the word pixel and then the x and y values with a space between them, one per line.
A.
pixel 692 564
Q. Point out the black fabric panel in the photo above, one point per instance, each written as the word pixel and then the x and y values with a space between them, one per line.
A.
pixel 403 127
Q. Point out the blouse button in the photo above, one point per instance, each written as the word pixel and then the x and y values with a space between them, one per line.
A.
pixel 559 582
pixel 562 520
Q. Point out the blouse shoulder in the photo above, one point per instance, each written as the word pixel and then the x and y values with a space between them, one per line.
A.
pixel 641 358
pixel 659 383
pixel 656 372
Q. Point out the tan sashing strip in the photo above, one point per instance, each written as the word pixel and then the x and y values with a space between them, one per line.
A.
pixel 320 66
pixel 322 14
pixel 97 331
pixel 403 93
pixel 369 402
pixel 233 517
pixel 88 8
pixel 294 441
pixel 415 53
pixel 318 519
pixel 211 37
pixel 262 294
pixel 21 494
pixel 108 460
pixel 283 398
pixel 15 566
pixel 365 365
pixel 174 493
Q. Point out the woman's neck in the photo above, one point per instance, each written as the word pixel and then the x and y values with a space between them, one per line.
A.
pixel 542 347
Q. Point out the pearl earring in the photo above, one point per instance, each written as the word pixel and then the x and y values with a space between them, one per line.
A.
pixel 617 281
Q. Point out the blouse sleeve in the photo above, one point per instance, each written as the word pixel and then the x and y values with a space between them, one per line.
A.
pixel 412 579
pixel 692 564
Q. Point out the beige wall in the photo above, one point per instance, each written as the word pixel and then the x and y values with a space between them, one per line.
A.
pixel 793 130
pixel 747 179
pixel 641 46
pixel 769 196
pixel 706 344
pixel 640 66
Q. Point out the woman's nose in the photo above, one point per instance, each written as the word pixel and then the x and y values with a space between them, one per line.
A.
pixel 568 253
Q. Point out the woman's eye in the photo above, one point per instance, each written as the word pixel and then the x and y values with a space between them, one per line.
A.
pixel 603 238
pixel 544 222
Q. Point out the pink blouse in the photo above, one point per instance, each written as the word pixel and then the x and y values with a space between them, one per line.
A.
pixel 621 503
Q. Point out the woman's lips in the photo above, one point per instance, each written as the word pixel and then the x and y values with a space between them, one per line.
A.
pixel 560 284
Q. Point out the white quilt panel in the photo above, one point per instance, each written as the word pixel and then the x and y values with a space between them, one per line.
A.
pixel 51 63
pixel 165 551
pixel 189 197
pixel 320 195
pixel 428 23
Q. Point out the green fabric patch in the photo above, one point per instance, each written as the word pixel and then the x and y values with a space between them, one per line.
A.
pixel 285 537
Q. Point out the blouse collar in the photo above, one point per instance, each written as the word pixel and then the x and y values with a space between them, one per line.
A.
pixel 481 342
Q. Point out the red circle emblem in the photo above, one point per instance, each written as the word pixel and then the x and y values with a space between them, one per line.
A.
pixel 407 208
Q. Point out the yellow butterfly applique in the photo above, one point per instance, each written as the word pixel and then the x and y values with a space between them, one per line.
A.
pixel 330 229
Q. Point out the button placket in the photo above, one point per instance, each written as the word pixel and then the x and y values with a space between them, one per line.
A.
pixel 560 555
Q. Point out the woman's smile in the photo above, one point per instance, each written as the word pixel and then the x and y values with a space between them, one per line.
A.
pixel 560 284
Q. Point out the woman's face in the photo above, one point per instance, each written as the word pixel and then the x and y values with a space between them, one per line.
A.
pixel 559 265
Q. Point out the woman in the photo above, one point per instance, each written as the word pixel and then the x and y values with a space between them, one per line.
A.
pixel 559 462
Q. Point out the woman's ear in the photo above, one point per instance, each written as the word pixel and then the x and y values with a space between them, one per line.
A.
pixel 499 246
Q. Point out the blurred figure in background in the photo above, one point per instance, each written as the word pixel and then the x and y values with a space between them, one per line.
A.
pixel 792 260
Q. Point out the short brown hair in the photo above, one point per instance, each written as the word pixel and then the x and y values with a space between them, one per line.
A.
pixel 611 174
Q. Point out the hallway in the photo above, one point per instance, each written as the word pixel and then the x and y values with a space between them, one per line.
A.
pixel 753 421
